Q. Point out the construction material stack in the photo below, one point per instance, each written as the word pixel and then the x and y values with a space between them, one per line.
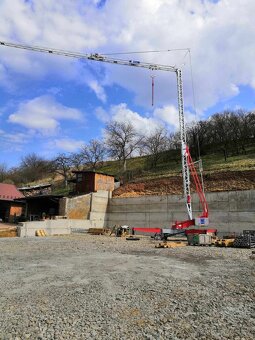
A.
pixel 246 240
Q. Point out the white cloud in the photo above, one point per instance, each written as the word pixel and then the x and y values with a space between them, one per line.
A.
pixel 167 116
pixel 102 115
pixel 219 34
pixel 143 125
pixel 98 89
pixel 13 141
pixel 66 144
pixel 43 114
pixel 170 115
pixel 121 113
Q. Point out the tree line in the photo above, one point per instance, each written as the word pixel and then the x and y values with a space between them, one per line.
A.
pixel 229 132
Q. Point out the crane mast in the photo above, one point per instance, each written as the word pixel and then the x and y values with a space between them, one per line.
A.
pixel 151 66
pixel 185 167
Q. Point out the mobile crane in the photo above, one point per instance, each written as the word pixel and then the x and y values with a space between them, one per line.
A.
pixel 187 163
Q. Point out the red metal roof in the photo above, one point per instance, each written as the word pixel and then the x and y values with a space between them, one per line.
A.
pixel 8 192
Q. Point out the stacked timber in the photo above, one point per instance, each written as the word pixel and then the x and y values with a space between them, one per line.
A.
pixel 98 231
pixel 8 232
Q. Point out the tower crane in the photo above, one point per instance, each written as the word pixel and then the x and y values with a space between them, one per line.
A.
pixel 187 163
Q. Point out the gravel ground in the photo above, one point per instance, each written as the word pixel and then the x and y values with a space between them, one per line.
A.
pixel 99 287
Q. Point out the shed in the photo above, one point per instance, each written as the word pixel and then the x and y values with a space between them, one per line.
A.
pixel 92 181
pixel 10 205
pixel 35 190
pixel 42 206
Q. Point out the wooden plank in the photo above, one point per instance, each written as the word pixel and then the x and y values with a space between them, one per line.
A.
pixel 172 244
pixel 8 232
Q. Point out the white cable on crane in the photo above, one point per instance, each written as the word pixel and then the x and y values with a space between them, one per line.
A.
pixel 149 51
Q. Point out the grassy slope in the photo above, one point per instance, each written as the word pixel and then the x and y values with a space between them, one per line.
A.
pixel 172 165
pixel 138 168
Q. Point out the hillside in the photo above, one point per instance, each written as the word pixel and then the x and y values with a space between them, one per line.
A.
pixel 216 181
pixel 237 173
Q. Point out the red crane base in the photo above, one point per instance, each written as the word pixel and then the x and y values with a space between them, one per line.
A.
pixel 183 224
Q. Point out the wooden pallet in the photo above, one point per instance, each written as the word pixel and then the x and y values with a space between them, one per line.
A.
pixel 98 231
pixel 174 244
pixel 228 242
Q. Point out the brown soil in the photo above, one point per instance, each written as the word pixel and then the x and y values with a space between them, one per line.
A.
pixel 217 181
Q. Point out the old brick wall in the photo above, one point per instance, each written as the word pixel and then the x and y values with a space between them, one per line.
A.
pixel 104 182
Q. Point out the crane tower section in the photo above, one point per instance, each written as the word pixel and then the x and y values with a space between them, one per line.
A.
pixel 185 166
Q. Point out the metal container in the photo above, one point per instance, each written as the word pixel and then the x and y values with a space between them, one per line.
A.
pixel 204 240
pixel 193 239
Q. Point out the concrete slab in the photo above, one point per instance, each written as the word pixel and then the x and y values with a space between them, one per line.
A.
pixel 155 200
pixel 157 207
pixel 176 207
pixel 134 208
pixel 116 208
pixel 136 216
pixel 243 217
pixel 175 198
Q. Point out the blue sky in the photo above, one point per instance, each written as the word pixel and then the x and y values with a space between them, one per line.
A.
pixel 51 104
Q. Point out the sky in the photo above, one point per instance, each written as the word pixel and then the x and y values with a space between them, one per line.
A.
pixel 53 104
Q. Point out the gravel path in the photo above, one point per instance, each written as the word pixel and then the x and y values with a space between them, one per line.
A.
pixel 98 287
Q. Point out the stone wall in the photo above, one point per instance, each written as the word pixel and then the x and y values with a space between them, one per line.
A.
pixel 91 207
pixel 76 207
pixel 228 211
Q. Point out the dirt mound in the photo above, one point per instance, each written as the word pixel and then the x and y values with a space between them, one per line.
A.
pixel 217 181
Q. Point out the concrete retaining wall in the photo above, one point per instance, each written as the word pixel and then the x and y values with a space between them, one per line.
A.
pixel 228 211
pixel 99 207
pixel 52 227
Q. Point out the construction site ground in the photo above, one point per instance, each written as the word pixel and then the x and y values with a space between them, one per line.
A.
pixel 213 182
pixel 100 287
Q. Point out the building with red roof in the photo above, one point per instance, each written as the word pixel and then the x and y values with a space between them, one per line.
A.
pixel 10 207
pixel 9 192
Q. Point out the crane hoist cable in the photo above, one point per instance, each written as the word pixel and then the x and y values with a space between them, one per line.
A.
pixel 152 89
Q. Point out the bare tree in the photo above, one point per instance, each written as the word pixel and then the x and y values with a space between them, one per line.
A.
pixel 173 141
pixel 34 167
pixel 246 128
pixel 197 137
pixel 3 172
pixel 63 165
pixel 219 126
pixel 94 153
pixel 122 140
pixel 77 160
pixel 155 144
